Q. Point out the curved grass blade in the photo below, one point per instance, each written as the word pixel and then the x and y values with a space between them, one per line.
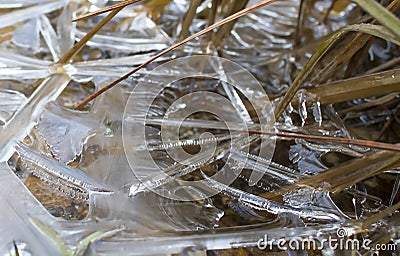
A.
pixel 62 247
pixel 381 14
pixel 374 30
pixel 96 236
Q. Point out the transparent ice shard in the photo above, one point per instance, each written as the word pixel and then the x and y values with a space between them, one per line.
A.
pixel 308 161
pixel 17 206
pixel 395 190
pixel 193 123
pixel 364 203
pixel 219 239
pixel 316 109
pixel 180 169
pixel 104 159
pixel 323 148
pixel 187 142
pixel 245 211
pixel 29 12
pixel 27 115
pixel 50 36
pixel 232 94
pixel 10 101
pixel 273 174
pixel 66 131
pixel 64 29
pixel 191 215
pixel 302 108
pixel 24 73
pixel 312 199
pixel 17 61
pixel 158 213
pixel 21 3
pixel 144 35
pixel 27 35
pixel 25 221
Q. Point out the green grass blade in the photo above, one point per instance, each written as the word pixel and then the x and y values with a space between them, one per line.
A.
pixel 62 247
pixel 15 248
pixel 99 235
pixel 381 14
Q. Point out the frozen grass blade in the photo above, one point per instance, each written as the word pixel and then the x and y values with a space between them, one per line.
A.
pixel 204 31
pixel 345 55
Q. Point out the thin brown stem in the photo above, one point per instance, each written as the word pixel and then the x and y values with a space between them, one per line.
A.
pixel 106 9
pixel 386 126
pixel 78 46
pixel 204 31
pixel 379 216
pixel 379 101
pixel 364 143
pixel 225 30
pixel 212 16
pixel 188 19
pixel 384 66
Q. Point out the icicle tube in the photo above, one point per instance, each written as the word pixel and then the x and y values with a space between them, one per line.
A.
pixel 73 182
pixel 189 166
pixel 24 120
pixel 263 204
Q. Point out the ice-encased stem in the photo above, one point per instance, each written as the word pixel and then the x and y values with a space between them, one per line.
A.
pixel 263 204
pixel 24 120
